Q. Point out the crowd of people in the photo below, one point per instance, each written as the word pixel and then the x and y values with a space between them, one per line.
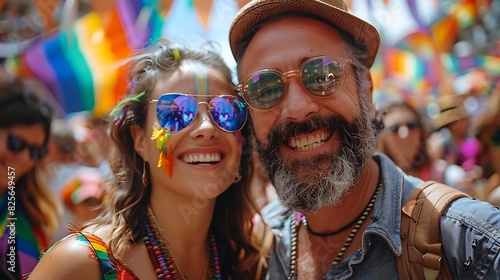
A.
pixel 304 179
pixel 448 148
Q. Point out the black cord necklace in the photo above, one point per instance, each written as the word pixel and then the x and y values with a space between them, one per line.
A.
pixel 309 229
pixel 349 225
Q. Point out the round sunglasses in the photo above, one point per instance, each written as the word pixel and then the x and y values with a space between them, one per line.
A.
pixel 320 76
pixel 175 111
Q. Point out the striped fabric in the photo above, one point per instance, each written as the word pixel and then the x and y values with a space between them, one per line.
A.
pixel 110 269
pixel 28 240
pixel 99 249
pixel 79 65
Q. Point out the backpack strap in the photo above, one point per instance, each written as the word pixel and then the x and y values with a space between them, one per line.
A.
pixel 422 256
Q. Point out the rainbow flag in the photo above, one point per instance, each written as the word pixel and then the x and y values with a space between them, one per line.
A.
pixel 80 66
pixel 456 18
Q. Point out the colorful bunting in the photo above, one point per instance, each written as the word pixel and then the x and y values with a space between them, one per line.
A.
pixel 80 65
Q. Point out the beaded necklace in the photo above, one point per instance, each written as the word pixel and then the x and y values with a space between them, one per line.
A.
pixel 293 230
pixel 163 260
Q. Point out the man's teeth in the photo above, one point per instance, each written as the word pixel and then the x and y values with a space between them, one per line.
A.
pixel 202 158
pixel 307 143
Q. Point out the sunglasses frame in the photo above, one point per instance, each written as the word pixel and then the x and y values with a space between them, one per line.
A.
pixel 195 96
pixel 242 87
pixel 36 153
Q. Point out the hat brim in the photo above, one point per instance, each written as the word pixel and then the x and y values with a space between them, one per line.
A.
pixel 256 11
pixel 449 116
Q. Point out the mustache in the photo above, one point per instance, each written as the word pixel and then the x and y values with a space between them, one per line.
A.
pixel 290 129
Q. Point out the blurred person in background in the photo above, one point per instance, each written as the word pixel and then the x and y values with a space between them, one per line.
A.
pixel 487 127
pixel 403 140
pixel 93 143
pixel 63 164
pixel 452 145
pixel 60 163
pixel 29 212
pixel 82 194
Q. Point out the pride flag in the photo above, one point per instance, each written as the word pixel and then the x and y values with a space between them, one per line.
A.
pixel 80 66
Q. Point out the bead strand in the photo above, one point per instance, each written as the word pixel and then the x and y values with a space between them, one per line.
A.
pixel 355 229
pixel 350 238
pixel 293 243
pixel 164 262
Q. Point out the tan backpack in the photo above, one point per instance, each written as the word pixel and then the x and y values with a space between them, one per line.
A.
pixel 422 256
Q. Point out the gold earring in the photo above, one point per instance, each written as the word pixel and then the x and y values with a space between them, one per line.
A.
pixel 237 178
pixel 145 174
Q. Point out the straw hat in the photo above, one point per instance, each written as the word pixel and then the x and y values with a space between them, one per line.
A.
pixel 450 110
pixel 333 11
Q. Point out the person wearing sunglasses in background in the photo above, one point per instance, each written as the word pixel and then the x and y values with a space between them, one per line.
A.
pixel 304 71
pixel 28 212
pixel 403 139
pixel 179 206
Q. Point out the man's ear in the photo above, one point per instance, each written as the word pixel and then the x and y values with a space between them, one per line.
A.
pixel 139 137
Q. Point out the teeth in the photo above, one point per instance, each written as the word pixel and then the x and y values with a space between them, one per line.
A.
pixel 201 158
pixel 309 142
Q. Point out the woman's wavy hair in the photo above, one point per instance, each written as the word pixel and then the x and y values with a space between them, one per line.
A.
pixel 19 105
pixel 129 196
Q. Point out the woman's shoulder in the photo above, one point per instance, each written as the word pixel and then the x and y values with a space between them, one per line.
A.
pixel 73 257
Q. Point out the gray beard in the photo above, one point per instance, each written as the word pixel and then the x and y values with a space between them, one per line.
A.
pixel 308 185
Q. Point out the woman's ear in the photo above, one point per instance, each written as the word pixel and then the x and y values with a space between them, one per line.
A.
pixel 139 137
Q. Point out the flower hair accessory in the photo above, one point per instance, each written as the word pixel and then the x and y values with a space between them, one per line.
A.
pixel 120 110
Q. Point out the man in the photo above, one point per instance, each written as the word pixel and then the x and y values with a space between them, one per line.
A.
pixel 304 70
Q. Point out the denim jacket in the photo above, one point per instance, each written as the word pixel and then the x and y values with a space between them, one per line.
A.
pixel 470 233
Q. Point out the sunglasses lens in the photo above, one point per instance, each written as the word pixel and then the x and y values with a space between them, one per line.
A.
pixel 413 125
pixel 176 111
pixel 15 144
pixel 265 90
pixel 228 112
pixel 410 126
pixel 495 137
pixel 322 76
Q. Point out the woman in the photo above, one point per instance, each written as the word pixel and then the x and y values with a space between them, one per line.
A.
pixel 179 207
pixel 28 211
pixel 403 139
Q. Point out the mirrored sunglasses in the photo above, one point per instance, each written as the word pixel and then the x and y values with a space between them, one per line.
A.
pixel 320 76
pixel 175 111
pixel 16 144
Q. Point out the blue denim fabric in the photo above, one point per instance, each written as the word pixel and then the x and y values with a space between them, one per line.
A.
pixel 470 232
